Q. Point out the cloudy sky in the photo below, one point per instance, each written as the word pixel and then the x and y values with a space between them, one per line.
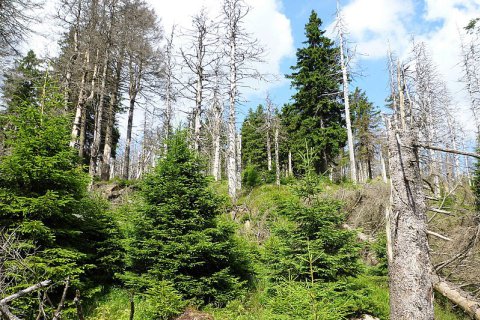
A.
pixel 373 26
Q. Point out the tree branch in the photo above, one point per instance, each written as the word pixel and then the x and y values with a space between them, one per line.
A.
pixel 465 153
pixel 25 291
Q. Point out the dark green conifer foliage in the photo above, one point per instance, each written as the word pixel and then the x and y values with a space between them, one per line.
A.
pixel 178 235
pixel 315 115
pixel 310 244
pixel 254 139
pixel 365 122
pixel 43 194
pixel 21 82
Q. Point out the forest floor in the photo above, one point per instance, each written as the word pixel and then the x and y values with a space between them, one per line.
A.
pixel 364 207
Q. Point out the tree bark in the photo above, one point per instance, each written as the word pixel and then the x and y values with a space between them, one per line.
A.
pixel 108 144
pixel 277 158
pixel 411 291
pixel 77 122
pixel 97 135
pixel 351 153
pixel 239 162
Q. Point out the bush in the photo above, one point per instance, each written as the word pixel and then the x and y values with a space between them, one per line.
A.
pixel 251 177
pixel 310 245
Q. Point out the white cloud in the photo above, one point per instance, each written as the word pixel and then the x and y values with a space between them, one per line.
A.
pixel 375 24
pixel 264 22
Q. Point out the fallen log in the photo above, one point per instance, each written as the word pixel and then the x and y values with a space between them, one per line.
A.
pixel 457 296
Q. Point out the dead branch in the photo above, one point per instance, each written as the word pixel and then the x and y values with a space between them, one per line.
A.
pixel 464 153
pixel 62 300
pixel 438 235
pixel 25 291
pixel 437 210
pixel 6 312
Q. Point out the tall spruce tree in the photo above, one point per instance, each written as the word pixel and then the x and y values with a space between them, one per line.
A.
pixel 254 137
pixel 314 118
pixel 178 236
pixel 365 118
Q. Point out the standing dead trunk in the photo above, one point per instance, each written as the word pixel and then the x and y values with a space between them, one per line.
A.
pixel 239 162
pixel 217 123
pixel 277 157
pixel 108 145
pixel 351 153
pixel 95 148
pixel 411 291
pixel 77 122
pixel 128 142
pixel 290 167
pixel 232 163
pixel 135 72
pixel 383 166
pixel 269 151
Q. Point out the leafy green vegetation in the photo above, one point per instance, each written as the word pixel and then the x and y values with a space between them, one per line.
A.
pixel 177 235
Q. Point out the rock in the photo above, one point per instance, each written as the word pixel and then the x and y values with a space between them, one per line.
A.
pixel 192 314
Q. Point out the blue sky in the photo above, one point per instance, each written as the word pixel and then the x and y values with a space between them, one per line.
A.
pixel 373 26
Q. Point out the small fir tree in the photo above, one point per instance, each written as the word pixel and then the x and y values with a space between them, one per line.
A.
pixel 179 237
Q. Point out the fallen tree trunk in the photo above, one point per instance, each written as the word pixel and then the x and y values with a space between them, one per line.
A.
pixel 454 294
pixel 457 296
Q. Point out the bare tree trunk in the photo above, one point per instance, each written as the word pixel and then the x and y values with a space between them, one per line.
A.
pixel 77 122
pixel 269 151
pixel 83 129
pixel 108 144
pixel 239 162
pixel 95 148
pixel 411 291
pixel 351 153
pixel 128 141
pixel 232 163
pixel 384 168
pixel 290 167
pixel 277 158
pixel 134 85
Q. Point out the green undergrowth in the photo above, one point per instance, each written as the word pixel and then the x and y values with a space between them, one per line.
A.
pixel 306 266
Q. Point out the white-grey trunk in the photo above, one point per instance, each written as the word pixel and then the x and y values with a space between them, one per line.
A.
pixel 269 151
pixel 277 157
pixel 351 153
pixel 411 291
pixel 80 104
pixel 383 167
pixel 95 148
pixel 232 163
pixel 239 162
pixel 107 149
pixel 290 167
pixel 197 114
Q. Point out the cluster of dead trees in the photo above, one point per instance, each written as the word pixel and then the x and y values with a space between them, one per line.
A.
pixel 116 51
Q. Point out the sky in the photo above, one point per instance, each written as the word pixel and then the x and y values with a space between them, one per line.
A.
pixel 373 26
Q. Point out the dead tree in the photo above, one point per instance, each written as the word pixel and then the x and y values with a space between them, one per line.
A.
pixel 199 60
pixel 242 51
pixel 351 154
pixel 411 289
